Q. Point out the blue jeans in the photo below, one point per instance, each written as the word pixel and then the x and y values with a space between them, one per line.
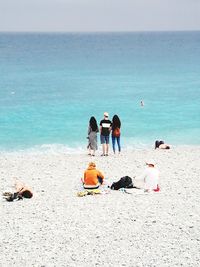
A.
pixel 118 143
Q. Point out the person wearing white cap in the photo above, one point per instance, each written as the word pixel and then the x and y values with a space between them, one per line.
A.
pixel 105 128
pixel 150 177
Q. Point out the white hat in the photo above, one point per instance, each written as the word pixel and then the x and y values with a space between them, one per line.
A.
pixel 150 162
pixel 106 114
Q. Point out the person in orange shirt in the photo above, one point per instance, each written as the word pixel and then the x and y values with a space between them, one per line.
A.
pixel 93 178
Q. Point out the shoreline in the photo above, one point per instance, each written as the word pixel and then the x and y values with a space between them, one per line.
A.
pixel 114 229
pixel 65 149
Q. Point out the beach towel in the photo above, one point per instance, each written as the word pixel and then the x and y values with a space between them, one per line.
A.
pixel 88 192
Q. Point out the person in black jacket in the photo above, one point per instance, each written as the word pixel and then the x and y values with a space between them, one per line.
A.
pixel 105 129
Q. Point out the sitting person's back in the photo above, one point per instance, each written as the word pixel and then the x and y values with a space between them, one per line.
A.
pixel 93 178
pixel 150 177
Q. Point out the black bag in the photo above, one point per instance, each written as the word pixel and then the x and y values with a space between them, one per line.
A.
pixel 124 182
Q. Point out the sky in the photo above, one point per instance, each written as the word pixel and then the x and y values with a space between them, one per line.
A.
pixel 99 15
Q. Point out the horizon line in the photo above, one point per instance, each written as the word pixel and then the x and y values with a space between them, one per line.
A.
pixel 101 31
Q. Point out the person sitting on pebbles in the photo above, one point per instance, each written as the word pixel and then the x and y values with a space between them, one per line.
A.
pixel 93 178
pixel 21 191
pixel 150 177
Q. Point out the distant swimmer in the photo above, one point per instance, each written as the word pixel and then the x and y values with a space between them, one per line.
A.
pixel 142 103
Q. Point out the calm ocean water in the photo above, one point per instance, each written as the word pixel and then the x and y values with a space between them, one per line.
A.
pixel 50 85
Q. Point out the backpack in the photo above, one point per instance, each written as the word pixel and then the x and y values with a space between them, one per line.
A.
pixel 116 132
pixel 124 182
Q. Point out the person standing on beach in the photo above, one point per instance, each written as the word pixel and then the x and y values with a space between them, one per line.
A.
pixel 92 136
pixel 116 125
pixel 105 128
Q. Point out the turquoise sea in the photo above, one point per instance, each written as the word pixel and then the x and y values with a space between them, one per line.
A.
pixel 50 85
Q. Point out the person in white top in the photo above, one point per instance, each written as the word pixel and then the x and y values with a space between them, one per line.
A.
pixel 150 177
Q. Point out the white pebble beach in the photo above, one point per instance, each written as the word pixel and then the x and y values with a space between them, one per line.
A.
pixel 57 228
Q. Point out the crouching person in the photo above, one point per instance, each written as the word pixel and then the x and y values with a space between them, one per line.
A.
pixel 161 145
pixel 93 178
pixel 150 177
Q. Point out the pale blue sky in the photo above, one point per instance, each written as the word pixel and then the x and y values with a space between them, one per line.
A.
pixel 99 15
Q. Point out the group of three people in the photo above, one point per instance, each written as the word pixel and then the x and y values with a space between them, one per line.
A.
pixel 106 127
pixel 94 178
